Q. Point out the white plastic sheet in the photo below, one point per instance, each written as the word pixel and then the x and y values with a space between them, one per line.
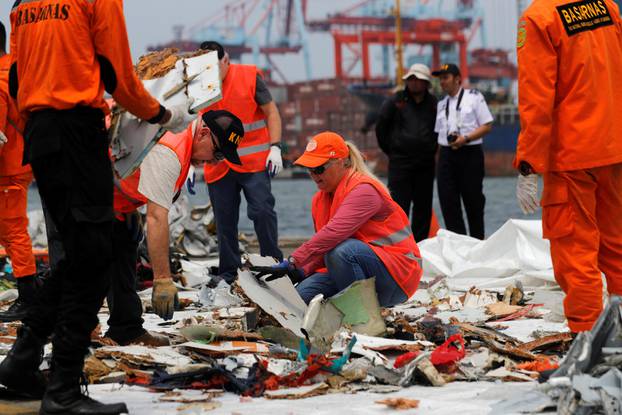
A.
pixel 516 251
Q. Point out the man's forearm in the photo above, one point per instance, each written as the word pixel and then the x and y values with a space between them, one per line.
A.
pixel 274 127
pixel 479 132
pixel 158 241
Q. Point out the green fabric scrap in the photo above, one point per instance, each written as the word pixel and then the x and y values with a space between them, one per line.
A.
pixel 349 303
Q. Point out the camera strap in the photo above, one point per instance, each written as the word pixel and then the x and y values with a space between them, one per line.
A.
pixel 457 108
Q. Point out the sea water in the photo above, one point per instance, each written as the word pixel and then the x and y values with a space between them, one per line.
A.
pixel 293 205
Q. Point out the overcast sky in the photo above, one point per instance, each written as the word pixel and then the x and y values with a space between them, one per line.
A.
pixel 154 24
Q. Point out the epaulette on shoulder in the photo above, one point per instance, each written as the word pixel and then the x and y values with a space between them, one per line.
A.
pixel 474 92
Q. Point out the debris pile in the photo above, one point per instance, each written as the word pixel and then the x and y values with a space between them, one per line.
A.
pixel 258 338
pixel 346 343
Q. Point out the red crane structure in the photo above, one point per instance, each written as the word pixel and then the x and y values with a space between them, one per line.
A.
pixel 260 27
pixel 354 33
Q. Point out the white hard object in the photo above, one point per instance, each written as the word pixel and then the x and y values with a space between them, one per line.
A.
pixel 527 193
pixel 132 139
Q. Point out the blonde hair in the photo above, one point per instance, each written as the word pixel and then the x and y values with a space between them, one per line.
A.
pixel 356 161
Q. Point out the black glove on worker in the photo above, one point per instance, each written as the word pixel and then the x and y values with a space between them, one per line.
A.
pixel 280 270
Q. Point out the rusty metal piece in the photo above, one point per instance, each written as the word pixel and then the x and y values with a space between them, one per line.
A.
pixel 497 342
pixel 521 313
pixel 179 87
pixel 547 341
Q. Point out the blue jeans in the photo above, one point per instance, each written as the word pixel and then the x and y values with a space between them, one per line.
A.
pixel 350 261
pixel 225 197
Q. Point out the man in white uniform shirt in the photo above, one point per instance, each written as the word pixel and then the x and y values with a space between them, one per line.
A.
pixel 462 120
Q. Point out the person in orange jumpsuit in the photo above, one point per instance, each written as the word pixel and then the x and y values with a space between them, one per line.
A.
pixel 570 66
pixel 64 55
pixel 14 182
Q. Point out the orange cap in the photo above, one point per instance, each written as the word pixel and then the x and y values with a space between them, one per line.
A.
pixel 323 147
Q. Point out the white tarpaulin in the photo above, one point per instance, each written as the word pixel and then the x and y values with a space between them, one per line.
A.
pixel 515 252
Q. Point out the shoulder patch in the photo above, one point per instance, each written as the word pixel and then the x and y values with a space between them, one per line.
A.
pixel 521 34
pixel 582 16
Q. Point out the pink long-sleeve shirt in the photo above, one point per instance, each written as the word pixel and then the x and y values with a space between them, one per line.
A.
pixel 362 204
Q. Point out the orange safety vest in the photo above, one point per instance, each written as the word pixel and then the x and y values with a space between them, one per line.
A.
pixel 238 91
pixel 12 125
pixel 127 198
pixel 391 239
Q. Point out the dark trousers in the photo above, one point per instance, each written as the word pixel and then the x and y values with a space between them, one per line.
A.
pixel 125 322
pixel 414 186
pixel 225 197
pixel 460 176
pixel 68 152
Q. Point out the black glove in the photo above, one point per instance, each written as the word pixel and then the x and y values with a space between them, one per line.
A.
pixel 284 268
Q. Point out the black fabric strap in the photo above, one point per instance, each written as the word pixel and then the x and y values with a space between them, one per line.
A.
pixel 457 105
pixel 158 118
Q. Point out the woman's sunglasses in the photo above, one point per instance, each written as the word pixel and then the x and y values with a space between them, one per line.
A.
pixel 319 170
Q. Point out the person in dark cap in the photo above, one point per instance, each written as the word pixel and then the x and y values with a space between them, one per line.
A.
pixel 462 120
pixel 246 95
pixel 212 138
pixel 405 133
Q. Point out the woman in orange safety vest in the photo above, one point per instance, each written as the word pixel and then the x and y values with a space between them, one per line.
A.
pixel 360 231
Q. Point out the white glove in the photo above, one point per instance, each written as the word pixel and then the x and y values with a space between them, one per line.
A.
pixel 180 118
pixel 3 139
pixel 274 162
pixel 527 193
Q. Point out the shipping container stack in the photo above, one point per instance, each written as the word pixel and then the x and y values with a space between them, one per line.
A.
pixel 326 104
pixel 310 107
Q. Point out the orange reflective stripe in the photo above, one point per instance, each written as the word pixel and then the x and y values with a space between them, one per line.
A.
pixel 247 151
pixel 394 238
pixel 254 126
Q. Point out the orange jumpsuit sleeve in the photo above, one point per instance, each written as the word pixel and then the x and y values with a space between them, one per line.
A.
pixel 537 78
pixel 113 50
pixel 4 110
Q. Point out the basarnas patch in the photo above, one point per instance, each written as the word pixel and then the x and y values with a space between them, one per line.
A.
pixel 582 16
pixel 521 34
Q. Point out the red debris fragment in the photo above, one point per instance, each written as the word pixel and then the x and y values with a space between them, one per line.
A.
pixel 405 359
pixel 449 352
pixel 539 365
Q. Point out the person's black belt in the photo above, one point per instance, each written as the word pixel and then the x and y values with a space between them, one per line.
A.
pixel 80 110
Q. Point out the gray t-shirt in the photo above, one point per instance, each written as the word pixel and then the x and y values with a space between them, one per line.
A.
pixel 262 94
pixel 159 172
